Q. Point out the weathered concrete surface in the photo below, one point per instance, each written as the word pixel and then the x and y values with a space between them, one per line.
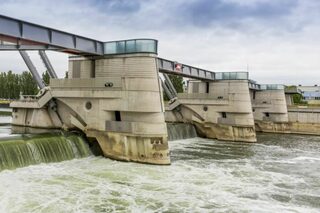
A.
pixel 226 132
pixel 116 99
pixel 153 150
pixel 290 127
pixel 220 109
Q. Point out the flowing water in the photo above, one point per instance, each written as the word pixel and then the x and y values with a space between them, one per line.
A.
pixel 180 131
pixel 281 173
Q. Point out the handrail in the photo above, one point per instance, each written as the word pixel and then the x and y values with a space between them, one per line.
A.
pixel 131 46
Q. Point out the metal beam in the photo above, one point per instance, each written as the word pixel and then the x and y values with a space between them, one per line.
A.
pixel 47 64
pixel 169 85
pixel 174 68
pixel 21 32
pixel 32 68
pixel 166 90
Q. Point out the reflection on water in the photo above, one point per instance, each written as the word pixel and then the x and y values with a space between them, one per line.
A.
pixel 280 173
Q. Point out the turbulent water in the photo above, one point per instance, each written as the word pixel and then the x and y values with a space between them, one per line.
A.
pixel 281 173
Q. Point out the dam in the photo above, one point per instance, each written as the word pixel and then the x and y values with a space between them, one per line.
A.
pixel 114 95
pixel 112 101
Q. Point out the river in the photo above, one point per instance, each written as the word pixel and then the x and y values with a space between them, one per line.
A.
pixel 280 173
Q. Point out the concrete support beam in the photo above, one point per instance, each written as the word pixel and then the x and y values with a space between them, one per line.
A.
pixel 47 64
pixel 32 68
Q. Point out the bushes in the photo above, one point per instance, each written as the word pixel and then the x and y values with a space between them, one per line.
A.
pixel 12 84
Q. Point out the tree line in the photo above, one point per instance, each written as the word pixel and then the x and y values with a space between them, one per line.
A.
pixel 13 84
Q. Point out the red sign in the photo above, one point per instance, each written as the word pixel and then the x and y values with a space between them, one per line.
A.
pixel 178 67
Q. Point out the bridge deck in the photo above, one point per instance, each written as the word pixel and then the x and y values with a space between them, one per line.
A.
pixel 29 36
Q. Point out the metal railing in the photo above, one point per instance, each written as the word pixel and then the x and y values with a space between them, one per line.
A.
pixel 131 46
pixel 272 87
pixel 231 75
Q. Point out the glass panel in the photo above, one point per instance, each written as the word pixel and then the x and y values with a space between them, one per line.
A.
pixel 233 75
pixel 225 76
pixel 219 75
pixel 272 86
pixel 242 75
pixel 121 47
pixel 145 46
pixel 131 46
pixel 110 48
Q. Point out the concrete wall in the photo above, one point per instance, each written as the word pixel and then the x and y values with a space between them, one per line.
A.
pixel 289 99
pixel 224 112
pixel 304 120
pixel 116 100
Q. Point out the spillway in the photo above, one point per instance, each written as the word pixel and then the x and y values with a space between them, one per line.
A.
pixel 28 150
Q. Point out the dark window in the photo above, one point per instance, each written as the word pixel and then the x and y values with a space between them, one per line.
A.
pixel 207 87
pixel 267 114
pixel 224 115
pixel 254 95
pixel 117 115
pixel 93 69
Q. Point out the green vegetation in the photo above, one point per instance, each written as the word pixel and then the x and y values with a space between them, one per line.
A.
pixel 298 99
pixel 11 85
pixel 177 82
pixel 46 78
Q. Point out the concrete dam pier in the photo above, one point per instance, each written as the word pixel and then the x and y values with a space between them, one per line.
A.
pixel 220 109
pixel 113 99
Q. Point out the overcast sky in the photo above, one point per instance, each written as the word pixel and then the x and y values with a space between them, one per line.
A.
pixel 277 40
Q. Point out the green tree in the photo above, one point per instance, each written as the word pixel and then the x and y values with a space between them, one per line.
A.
pixel 28 84
pixel 177 82
pixel 12 84
pixel 46 78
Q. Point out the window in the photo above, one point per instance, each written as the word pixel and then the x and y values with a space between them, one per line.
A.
pixel 207 87
pixel 117 115
pixel 224 115
pixel 267 114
